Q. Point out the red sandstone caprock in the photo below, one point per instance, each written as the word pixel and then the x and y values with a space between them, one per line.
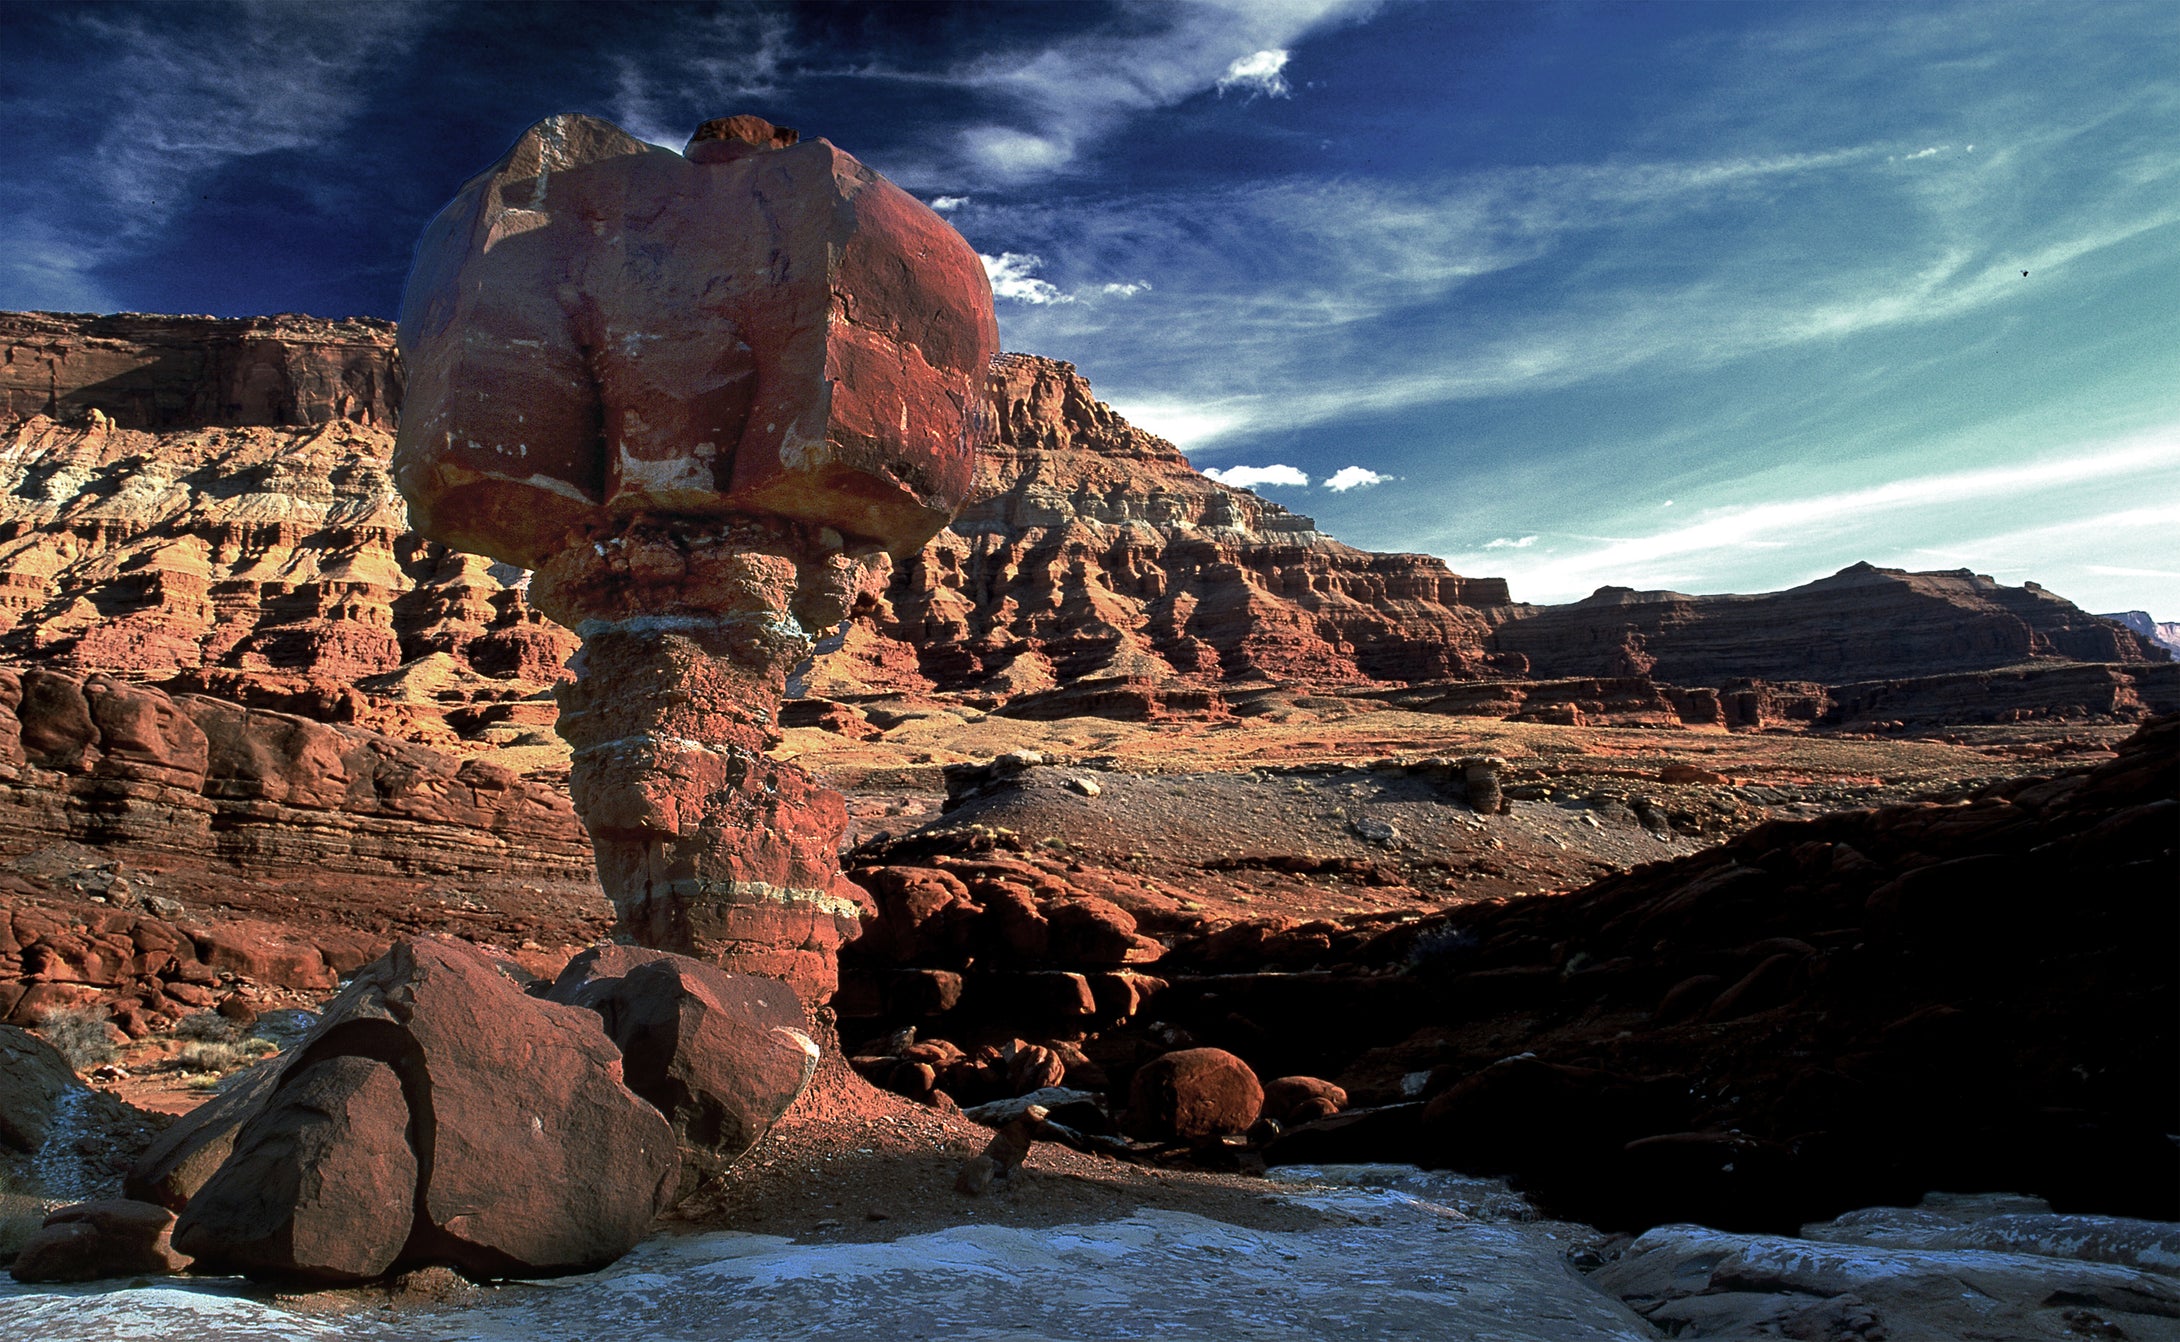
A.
pixel 684 389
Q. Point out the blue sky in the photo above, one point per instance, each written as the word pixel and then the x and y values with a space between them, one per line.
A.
pixel 1719 297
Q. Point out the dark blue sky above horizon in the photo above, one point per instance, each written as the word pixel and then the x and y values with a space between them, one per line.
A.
pixel 1703 296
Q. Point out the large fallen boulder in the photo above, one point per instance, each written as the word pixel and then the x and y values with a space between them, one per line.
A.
pixel 321 1182
pixel 721 1055
pixel 436 1114
pixel 181 1159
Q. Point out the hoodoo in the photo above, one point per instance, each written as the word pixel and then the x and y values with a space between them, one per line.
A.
pixel 690 391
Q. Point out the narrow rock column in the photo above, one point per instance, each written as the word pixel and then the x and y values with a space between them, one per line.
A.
pixel 704 844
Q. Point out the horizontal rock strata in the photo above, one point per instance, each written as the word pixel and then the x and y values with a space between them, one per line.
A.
pixel 1862 623
pixel 153 372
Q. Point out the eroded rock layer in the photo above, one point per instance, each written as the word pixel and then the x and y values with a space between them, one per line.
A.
pixel 1863 623
pixel 152 372
pixel 1095 557
pixel 266 557
pixel 266 552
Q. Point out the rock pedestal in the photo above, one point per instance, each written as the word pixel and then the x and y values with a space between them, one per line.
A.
pixel 706 846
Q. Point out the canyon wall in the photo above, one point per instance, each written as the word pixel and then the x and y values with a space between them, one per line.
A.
pixel 153 372
pixel 206 505
pixel 1096 563
pixel 1862 623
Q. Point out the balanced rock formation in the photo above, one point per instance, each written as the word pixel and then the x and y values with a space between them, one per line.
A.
pixel 684 389
pixel 435 1114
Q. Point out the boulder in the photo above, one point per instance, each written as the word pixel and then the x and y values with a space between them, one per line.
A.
pixel 525 1154
pixel 321 1184
pixel 721 1055
pixel 34 1078
pixel 1302 1099
pixel 1192 1093
pixel 178 1162
pixel 806 341
pixel 94 1240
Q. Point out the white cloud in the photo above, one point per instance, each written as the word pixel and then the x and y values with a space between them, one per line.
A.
pixel 1290 279
pixel 198 97
pixel 1013 275
pixel 1249 477
pixel 1011 155
pixel 1084 87
pixel 1353 477
pixel 948 204
pixel 1185 426
pixel 2118 571
pixel 1509 543
pixel 1258 75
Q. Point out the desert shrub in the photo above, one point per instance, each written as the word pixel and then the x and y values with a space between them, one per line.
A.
pixel 222 1055
pixel 1441 947
pixel 79 1034
pixel 206 1025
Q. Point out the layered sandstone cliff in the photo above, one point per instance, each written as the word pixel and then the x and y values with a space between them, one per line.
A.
pixel 252 546
pixel 1862 623
pixel 261 550
pixel 1097 561
pixel 154 372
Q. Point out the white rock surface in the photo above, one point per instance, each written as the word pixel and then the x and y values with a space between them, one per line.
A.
pixel 1397 1262
pixel 1695 1282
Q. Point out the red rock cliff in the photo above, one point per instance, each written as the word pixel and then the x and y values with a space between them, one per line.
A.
pixel 1862 623
pixel 150 372
pixel 1095 555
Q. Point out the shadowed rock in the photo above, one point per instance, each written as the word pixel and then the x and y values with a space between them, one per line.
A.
pixel 721 1055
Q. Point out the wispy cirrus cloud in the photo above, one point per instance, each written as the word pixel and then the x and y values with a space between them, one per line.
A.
pixel 1076 91
pixel 1716 540
pixel 728 57
pixel 175 104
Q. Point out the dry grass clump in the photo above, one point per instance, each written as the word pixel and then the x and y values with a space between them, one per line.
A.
pixel 210 1026
pixel 217 1057
pixel 80 1034
pixel 21 1215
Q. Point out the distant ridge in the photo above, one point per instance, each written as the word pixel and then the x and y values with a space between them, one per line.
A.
pixel 204 503
pixel 2164 633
